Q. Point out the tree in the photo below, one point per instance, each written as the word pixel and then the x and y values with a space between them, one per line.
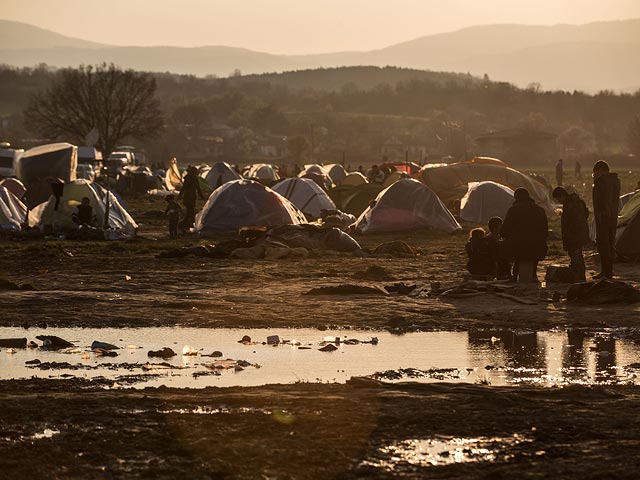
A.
pixel 633 135
pixel 113 102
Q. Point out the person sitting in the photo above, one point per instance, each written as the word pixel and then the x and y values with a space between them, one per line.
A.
pixel 498 250
pixel 83 214
pixel 480 262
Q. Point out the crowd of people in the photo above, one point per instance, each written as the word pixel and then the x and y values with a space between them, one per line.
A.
pixel 513 247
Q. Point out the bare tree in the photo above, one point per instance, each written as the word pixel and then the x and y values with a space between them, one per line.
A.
pixel 113 102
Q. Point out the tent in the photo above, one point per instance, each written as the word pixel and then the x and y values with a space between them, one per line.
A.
pixel 263 173
pixel 56 213
pixel 306 195
pixel 15 186
pixel 393 178
pixel 38 165
pixel 336 172
pixel 12 211
pixel 243 203
pixel 484 200
pixel 450 182
pixel 406 205
pixel 355 178
pixel 354 199
pixel 173 177
pixel 219 174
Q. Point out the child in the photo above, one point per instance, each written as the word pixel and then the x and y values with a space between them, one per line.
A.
pixel 174 212
pixel 497 249
pixel 480 262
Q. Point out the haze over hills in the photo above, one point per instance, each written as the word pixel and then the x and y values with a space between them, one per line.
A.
pixel 589 57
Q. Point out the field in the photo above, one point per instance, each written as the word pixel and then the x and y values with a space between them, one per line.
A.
pixel 364 428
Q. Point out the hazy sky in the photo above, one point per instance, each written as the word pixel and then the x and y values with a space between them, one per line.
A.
pixel 294 26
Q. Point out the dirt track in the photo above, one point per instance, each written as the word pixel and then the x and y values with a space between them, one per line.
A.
pixel 125 285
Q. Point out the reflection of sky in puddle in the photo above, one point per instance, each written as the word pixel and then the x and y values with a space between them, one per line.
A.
pixel 46 433
pixel 442 451
pixel 498 358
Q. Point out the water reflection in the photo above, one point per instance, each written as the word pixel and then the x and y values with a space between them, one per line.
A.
pixel 501 357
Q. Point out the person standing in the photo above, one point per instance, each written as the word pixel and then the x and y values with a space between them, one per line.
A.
pixel 606 201
pixel 525 232
pixel 190 190
pixel 173 212
pixel 575 229
pixel 559 172
pixel 577 171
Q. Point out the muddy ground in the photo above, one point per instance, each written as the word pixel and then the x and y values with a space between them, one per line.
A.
pixel 363 429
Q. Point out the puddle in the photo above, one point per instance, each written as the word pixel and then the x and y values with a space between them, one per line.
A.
pixel 411 453
pixel 497 358
pixel 46 433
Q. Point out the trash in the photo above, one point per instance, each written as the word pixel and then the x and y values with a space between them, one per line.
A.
pixel 221 365
pixel 101 352
pixel 216 353
pixel 238 368
pixel 103 346
pixel 13 342
pixel 133 347
pixel 400 288
pixel 273 340
pixel 328 348
pixel 246 340
pixel 51 342
pixel 127 277
pixel 166 352
pixel 332 339
pixel 157 366
pixel 243 363
pixel 374 340
pixel 32 344
pixel 35 361
pixel 347 289
pixel 189 350
pixel 11 351
pixel 602 292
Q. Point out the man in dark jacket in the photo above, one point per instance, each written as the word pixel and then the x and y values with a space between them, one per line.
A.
pixel 575 229
pixel 190 189
pixel 525 231
pixel 606 201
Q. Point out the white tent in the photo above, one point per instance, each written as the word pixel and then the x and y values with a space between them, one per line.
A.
pixel 355 179
pixel 484 200
pixel 306 195
pixel 336 172
pixel 12 211
pixel 244 203
pixel 57 214
pixel 406 205
pixel 219 174
pixel 263 172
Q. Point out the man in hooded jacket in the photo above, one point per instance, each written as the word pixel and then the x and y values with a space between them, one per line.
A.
pixel 606 202
pixel 525 231
pixel 575 229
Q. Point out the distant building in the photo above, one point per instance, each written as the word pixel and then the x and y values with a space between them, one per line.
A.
pixel 519 146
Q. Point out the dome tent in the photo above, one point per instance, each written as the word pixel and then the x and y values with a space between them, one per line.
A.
pixel 243 203
pixel 406 205
pixel 306 195
pixel 336 172
pixel 484 200
pixel 12 211
pixel 72 194
pixel 219 174
pixel 355 179
pixel 264 173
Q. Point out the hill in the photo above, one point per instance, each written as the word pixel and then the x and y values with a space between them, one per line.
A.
pixel 591 57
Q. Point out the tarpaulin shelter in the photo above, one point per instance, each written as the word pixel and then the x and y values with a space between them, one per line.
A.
pixel 306 195
pixel 38 165
pixel 484 200
pixel 244 203
pixel 406 205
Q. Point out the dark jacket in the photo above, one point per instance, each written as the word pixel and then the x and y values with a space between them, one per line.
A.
pixel 606 198
pixel 575 228
pixel 480 260
pixel 190 189
pixel 525 231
